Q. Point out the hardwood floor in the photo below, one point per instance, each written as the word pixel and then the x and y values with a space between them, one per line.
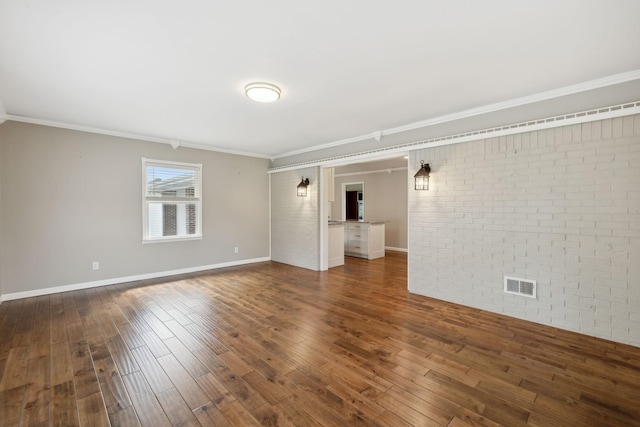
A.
pixel 270 344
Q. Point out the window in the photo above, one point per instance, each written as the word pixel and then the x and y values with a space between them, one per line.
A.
pixel 171 199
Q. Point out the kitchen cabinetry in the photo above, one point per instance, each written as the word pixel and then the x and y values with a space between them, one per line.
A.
pixel 364 239
pixel 336 246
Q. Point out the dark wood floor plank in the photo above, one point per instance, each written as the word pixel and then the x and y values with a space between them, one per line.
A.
pixel 121 355
pixel 210 415
pixel 64 409
pixel 75 329
pixel 188 360
pixel 135 317
pixel 179 317
pixel 35 406
pixel 155 344
pixel 273 390
pixel 92 412
pixel 15 371
pixel 238 415
pixel 24 327
pixel 10 406
pixel 131 337
pixel 295 415
pixel 310 388
pixel 179 331
pixel 268 415
pixel 40 341
pixel 236 385
pixel 358 400
pixel 273 344
pixel 153 372
pixel 9 319
pixel 406 412
pixel 113 390
pixel 217 392
pixel 186 385
pixel 149 411
pixel 176 409
pixel 57 325
pixel 126 418
pixel 84 374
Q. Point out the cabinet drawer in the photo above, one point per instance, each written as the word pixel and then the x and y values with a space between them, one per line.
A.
pixel 358 235
pixel 353 226
pixel 356 247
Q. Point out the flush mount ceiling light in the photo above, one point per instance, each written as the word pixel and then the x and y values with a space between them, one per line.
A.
pixel 262 92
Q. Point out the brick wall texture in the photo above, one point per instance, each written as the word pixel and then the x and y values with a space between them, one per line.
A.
pixel 295 235
pixel 560 206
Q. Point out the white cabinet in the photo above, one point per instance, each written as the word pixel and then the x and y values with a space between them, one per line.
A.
pixel 336 246
pixel 364 240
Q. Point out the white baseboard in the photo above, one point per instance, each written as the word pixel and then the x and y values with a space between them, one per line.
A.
pixel 389 248
pixel 106 282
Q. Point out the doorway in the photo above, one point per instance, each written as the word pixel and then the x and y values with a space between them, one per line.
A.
pixel 353 201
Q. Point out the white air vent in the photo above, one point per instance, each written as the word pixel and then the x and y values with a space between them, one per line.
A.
pixel 523 287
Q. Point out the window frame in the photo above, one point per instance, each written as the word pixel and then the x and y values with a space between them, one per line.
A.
pixel 147 200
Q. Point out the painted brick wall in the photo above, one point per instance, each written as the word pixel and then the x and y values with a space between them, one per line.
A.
pixel 560 206
pixel 295 236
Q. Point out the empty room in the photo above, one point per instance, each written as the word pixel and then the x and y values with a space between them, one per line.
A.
pixel 320 213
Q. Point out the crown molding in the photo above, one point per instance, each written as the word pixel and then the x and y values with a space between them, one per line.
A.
pixel 603 113
pixel 174 143
pixel 490 108
pixel 388 170
pixel 377 135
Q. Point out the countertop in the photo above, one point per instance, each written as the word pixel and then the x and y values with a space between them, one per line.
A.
pixel 337 222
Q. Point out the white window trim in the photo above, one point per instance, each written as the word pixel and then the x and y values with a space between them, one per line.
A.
pixel 145 214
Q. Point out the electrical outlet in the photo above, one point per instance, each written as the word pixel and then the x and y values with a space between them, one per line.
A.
pixel 235 249
pixel 96 265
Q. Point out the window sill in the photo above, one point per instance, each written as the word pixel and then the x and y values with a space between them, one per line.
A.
pixel 171 239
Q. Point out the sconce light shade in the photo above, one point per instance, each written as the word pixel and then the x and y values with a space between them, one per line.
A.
pixel 302 187
pixel 422 176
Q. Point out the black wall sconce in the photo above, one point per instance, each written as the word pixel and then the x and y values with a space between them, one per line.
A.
pixel 422 176
pixel 302 187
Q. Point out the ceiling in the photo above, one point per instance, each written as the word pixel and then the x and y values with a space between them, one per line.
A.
pixel 175 71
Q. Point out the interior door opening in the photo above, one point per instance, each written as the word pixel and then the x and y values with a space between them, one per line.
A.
pixel 353 201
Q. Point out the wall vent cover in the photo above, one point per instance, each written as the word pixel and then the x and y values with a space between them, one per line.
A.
pixel 522 287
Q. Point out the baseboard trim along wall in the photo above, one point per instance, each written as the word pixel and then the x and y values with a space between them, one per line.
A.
pixel 114 281
pixel 390 248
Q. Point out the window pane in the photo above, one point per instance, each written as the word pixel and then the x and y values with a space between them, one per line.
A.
pixel 172 194
pixel 172 181
pixel 191 219
pixel 155 219
pixel 169 220
pixel 172 219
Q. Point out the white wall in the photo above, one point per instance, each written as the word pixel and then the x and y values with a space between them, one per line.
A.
pixel 560 206
pixel 295 221
pixel 1 238
pixel 385 199
pixel 69 198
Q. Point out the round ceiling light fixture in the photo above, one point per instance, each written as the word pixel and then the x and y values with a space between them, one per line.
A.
pixel 262 92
